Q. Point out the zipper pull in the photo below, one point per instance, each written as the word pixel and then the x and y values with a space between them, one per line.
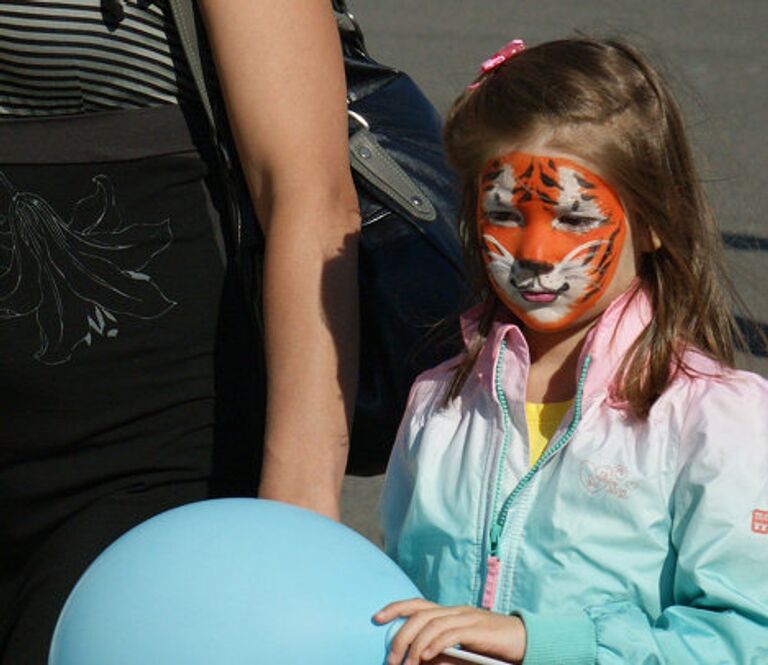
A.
pixel 493 566
pixel 491 582
pixel 495 537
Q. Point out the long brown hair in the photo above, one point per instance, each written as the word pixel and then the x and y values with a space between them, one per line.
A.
pixel 602 100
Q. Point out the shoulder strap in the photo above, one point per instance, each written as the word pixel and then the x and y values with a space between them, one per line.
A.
pixel 352 39
pixel 184 17
pixel 186 24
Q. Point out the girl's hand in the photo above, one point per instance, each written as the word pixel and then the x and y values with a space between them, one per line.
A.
pixel 431 628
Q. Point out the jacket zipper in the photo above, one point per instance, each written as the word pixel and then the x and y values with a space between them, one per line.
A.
pixel 494 563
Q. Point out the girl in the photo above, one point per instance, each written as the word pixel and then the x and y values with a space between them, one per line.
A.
pixel 592 470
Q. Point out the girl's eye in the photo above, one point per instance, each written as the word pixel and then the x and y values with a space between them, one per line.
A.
pixel 578 223
pixel 505 217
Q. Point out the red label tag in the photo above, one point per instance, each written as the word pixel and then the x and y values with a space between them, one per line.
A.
pixel 760 521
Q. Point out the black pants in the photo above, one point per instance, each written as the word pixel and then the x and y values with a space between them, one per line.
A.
pixel 127 361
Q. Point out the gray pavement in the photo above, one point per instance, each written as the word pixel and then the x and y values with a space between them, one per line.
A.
pixel 713 53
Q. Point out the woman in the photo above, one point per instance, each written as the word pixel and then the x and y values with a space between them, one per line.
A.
pixel 114 305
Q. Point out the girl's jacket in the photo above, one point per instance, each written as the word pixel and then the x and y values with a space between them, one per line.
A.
pixel 628 542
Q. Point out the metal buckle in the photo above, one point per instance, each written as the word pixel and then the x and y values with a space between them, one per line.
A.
pixel 360 120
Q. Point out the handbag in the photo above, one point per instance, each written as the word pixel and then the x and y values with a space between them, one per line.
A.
pixel 411 275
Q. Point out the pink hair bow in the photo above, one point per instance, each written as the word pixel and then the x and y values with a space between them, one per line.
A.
pixel 506 52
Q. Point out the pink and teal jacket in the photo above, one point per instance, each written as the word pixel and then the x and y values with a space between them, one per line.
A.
pixel 628 542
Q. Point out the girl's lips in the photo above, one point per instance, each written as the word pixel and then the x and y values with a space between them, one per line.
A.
pixel 539 296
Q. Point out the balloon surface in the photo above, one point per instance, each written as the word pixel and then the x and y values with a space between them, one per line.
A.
pixel 232 582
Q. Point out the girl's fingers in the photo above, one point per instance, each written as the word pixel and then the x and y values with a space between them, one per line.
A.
pixel 439 643
pixel 402 641
pixel 438 633
pixel 409 638
pixel 401 608
pixel 430 629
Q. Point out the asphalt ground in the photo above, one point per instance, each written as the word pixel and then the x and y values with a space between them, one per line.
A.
pixel 712 53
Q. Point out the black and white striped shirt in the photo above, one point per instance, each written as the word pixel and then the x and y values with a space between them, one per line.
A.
pixel 79 56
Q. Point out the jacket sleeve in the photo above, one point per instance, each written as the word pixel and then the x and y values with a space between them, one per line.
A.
pixel 717 609
pixel 400 476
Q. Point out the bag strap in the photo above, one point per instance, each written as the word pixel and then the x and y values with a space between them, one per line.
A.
pixel 352 38
pixel 186 25
pixel 183 13
pixel 375 165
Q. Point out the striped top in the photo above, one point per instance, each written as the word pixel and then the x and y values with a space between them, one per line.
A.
pixel 82 56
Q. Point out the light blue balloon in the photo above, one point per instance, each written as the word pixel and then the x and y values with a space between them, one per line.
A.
pixel 232 582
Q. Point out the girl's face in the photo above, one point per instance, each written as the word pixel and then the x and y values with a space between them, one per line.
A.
pixel 556 242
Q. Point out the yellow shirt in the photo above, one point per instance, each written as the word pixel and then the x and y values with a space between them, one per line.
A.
pixel 543 420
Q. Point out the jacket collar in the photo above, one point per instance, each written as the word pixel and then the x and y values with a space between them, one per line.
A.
pixel 607 342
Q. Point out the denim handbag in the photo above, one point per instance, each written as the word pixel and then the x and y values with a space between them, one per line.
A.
pixel 410 269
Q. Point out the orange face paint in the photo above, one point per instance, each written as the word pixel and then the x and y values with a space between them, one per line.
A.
pixel 553 232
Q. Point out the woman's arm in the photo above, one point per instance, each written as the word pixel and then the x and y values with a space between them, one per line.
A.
pixel 282 75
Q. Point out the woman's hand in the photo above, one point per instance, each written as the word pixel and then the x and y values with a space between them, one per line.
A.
pixel 431 628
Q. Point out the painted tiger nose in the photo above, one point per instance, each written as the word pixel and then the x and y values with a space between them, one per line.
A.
pixel 535 241
pixel 535 267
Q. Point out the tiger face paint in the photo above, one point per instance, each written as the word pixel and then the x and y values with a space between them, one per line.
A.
pixel 552 233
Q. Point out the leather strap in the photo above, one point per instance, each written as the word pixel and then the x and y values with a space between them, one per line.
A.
pixel 186 25
pixel 183 12
pixel 371 161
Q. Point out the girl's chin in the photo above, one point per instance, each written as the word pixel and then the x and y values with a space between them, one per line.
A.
pixel 539 317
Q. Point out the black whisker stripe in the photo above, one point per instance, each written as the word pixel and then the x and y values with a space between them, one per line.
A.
pixel 59 58
pixel 592 291
pixel 590 255
pixel 609 249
